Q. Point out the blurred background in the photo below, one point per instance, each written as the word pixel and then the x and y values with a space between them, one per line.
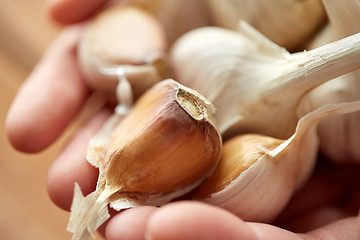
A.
pixel 26 212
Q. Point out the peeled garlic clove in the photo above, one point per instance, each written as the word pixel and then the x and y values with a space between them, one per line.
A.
pixel 258 174
pixel 127 38
pixel 339 136
pixel 248 78
pixel 287 23
pixel 164 148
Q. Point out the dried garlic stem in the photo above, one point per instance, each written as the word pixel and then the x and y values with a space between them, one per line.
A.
pixel 248 78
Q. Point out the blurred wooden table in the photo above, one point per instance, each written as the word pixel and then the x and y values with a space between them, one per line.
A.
pixel 26 212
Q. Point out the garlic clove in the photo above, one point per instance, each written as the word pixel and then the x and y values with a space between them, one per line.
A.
pixel 258 174
pixel 167 126
pixel 164 148
pixel 287 23
pixel 249 80
pixel 339 136
pixel 177 16
pixel 114 40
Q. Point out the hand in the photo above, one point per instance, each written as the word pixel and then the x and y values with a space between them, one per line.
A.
pixel 54 94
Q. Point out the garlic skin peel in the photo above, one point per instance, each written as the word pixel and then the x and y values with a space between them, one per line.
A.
pixel 248 78
pixel 339 136
pixel 258 174
pixel 110 44
pixel 289 23
pixel 164 148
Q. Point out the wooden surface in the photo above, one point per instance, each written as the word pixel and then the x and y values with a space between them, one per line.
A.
pixel 26 212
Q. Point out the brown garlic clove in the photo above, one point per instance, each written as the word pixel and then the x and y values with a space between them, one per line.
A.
pixel 114 41
pixel 289 23
pixel 166 143
pixel 164 148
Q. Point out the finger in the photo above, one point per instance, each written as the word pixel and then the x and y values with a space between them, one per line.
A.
pixel 200 221
pixel 50 98
pixel 71 166
pixel 129 224
pixel 192 220
pixel 73 11
pixel 346 229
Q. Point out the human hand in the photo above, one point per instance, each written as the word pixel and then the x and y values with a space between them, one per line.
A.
pixel 55 92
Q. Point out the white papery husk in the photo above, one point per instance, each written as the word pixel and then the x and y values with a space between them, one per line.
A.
pixel 249 78
pixel 260 192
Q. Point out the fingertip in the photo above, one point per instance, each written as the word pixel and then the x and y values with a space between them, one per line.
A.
pixel 21 135
pixel 129 224
pixel 194 220
pixel 69 11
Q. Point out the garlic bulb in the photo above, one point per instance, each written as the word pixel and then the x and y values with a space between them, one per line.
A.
pixel 258 174
pixel 164 148
pixel 339 136
pixel 256 85
pixel 113 42
pixel 289 23
pixel 177 16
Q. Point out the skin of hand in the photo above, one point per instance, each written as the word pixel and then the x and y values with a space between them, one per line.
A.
pixel 326 208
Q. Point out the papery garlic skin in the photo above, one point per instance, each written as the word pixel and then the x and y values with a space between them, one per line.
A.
pixel 289 23
pixel 258 174
pixel 164 148
pixel 110 42
pixel 249 78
